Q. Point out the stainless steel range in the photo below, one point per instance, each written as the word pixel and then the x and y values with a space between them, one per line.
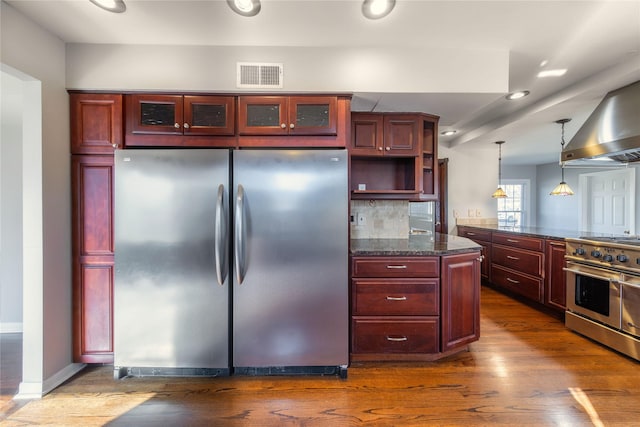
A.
pixel 603 291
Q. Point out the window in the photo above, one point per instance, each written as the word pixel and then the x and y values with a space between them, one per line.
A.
pixel 512 210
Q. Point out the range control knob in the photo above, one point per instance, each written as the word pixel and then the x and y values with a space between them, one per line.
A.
pixel 607 258
pixel 622 258
pixel 580 251
pixel 596 254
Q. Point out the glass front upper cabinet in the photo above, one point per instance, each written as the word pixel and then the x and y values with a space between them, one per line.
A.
pixel 282 115
pixel 181 115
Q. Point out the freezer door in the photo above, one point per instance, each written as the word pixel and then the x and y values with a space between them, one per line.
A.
pixel 290 304
pixel 170 210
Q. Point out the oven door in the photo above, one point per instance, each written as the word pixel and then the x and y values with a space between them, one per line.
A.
pixel 630 288
pixel 594 293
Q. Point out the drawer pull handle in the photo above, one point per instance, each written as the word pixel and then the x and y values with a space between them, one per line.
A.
pixel 513 240
pixel 470 233
pixel 515 258
pixel 389 298
pixel 397 266
pixel 397 339
pixel 512 281
pixel 632 325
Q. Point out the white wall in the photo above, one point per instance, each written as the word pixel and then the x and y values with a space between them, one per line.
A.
pixel 11 204
pixel 473 177
pixel 46 201
pixel 563 212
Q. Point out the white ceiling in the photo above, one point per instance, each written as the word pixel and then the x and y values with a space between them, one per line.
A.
pixel 597 41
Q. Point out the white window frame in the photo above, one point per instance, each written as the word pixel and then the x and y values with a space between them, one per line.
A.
pixel 526 198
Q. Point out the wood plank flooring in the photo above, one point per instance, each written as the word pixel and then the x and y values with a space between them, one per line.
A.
pixel 526 370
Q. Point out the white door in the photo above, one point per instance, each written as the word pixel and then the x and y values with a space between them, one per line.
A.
pixel 608 201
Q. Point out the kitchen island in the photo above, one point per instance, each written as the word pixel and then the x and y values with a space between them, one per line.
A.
pixel 414 299
pixel 524 262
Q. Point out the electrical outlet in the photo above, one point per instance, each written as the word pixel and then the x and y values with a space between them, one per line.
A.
pixel 362 220
pixel 456 214
pixel 478 213
pixel 471 213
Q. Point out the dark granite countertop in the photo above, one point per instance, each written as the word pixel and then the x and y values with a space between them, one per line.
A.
pixel 543 232
pixel 414 245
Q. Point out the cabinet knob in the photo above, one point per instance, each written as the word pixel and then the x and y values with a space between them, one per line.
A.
pixel 114 145
pixel 388 148
pixel 186 125
pixel 177 125
pixel 292 125
pixel 380 148
pixel 283 126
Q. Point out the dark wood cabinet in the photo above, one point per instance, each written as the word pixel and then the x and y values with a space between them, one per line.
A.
pixel 96 122
pixel 517 264
pixel 460 306
pixel 395 307
pixel 414 308
pixel 393 156
pixel 93 258
pixel 483 238
pixel 294 121
pixel 555 276
pixel 287 115
pixel 180 120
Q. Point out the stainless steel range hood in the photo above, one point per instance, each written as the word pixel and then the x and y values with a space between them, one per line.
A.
pixel 611 135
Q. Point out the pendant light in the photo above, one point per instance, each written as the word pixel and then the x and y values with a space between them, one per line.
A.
pixel 563 188
pixel 499 193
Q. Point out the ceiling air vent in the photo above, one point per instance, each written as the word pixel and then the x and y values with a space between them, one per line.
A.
pixel 259 75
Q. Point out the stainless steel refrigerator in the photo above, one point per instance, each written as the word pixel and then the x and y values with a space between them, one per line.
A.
pixel 230 262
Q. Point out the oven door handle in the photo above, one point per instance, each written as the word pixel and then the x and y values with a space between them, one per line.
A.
pixel 595 276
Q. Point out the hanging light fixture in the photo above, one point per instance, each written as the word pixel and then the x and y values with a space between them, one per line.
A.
pixel 563 188
pixel 499 193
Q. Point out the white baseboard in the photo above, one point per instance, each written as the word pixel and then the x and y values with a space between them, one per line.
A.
pixel 10 327
pixel 36 390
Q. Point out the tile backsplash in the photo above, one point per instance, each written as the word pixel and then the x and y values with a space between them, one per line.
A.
pixel 380 219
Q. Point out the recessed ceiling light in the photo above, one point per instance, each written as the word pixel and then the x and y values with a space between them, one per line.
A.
pixel 245 7
pixel 448 132
pixel 552 73
pixel 376 9
pixel 517 95
pixel 116 6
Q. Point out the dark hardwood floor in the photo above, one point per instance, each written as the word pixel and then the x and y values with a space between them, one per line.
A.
pixel 526 370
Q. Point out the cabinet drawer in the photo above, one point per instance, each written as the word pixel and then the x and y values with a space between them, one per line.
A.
pixel 530 287
pixel 474 234
pixel 392 335
pixel 395 267
pixel 418 297
pixel 523 261
pixel 522 242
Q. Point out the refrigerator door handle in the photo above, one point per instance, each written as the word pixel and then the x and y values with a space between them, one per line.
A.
pixel 240 236
pixel 221 238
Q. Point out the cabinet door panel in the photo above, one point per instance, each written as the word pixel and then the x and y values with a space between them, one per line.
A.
pixel 209 115
pixel 402 135
pixel 390 335
pixel 366 134
pixel 313 115
pixel 262 115
pixel 96 123
pixel 528 286
pixel 520 260
pixel 395 267
pixel 154 114
pixel 555 277
pixel 408 297
pixel 94 314
pixel 460 307
pixel 93 205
